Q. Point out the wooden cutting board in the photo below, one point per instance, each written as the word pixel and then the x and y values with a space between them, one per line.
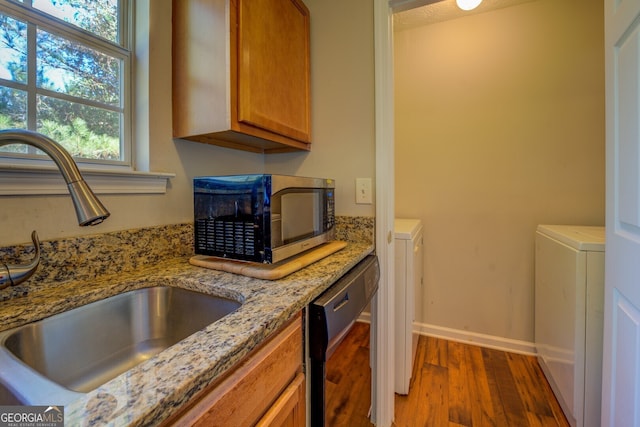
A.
pixel 268 271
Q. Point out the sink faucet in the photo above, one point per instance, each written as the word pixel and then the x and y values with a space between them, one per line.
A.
pixel 89 209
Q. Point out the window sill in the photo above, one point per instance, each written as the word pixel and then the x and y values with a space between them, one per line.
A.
pixel 29 180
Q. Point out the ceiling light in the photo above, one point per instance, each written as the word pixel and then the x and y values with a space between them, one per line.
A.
pixel 468 4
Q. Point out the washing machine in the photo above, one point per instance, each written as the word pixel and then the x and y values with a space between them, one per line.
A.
pixel 408 297
pixel 569 313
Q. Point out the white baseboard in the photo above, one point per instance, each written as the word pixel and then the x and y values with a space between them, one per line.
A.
pixel 365 317
pixel 474 338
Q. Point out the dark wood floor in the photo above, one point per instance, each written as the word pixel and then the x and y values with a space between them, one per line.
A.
pixel 453 384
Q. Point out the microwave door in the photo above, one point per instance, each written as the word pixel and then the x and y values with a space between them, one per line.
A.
pixel 299 218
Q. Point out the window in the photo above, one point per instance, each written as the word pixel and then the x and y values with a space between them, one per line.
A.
pixel 64 72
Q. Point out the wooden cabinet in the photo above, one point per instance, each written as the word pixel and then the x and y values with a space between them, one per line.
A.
pixel 241 75
pixel 289 409
pixel 265 389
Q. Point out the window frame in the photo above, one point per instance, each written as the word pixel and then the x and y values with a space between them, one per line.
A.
pixel 123 50
pixel 40 177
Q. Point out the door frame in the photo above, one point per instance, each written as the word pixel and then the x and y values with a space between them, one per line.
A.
pixel 383 304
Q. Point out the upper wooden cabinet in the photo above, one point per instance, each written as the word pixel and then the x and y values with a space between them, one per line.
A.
pixel 241 74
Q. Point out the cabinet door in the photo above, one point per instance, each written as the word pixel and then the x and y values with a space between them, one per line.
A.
pixel 273 67
pixel 289 409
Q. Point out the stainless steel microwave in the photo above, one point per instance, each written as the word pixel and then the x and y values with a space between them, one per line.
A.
pixel 262 218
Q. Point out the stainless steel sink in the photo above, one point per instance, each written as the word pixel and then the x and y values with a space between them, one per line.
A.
pixel 85 347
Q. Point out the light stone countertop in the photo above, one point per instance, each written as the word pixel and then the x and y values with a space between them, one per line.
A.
pixel 153 390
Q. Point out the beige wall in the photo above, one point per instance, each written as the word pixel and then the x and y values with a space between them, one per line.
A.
pixel 499 127
pixel 342 105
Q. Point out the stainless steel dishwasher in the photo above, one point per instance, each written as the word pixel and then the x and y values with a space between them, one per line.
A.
pixel 331 316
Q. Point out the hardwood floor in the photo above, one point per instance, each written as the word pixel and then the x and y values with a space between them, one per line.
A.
pixel 453 385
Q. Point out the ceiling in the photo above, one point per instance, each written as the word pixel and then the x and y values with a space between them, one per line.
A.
pixel 432 11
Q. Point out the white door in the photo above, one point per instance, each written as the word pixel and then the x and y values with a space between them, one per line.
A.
pixel 621 356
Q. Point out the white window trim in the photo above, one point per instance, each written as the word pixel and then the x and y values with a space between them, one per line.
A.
pixel 43 178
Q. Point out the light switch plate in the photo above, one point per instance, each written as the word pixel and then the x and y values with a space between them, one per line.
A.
pixel 363 191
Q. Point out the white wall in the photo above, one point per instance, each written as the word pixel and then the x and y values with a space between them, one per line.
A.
pixel 342 105
pixel 499 127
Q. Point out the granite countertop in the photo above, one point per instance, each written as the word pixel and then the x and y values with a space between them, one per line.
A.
pixel 153 390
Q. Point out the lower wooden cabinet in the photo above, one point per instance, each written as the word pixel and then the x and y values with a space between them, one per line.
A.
pixel 289 409
pixel 267 388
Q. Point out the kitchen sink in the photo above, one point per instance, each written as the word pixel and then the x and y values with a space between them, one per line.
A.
pixel 77 351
